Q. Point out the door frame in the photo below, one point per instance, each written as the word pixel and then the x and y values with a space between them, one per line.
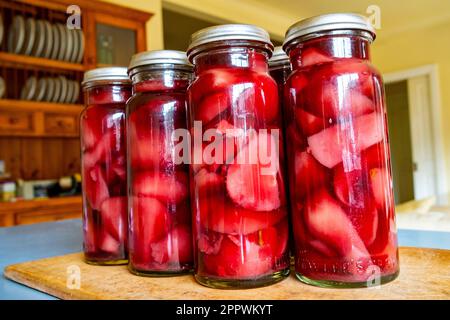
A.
pixel 432 72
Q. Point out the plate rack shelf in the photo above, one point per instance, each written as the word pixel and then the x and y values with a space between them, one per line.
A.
pixel 39 133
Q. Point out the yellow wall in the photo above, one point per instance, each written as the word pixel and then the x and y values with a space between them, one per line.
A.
pixel 415 48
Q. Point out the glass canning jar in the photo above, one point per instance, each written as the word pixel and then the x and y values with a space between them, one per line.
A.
pixel 341 186
pixel 103 162
pixel 160 216
pixel 239 203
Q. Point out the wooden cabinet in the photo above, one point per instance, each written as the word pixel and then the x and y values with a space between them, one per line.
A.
pixel 40 140
pixel 39 210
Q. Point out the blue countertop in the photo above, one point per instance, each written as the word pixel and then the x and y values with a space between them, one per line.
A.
pixel 31 242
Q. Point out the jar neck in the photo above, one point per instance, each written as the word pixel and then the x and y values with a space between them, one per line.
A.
pixel 334 46
pixel 156 80
pixel 243 57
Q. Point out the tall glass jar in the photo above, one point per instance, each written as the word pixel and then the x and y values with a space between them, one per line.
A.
pixel 160 217
pixel 342 198
pixel 238 195
pixel 103 162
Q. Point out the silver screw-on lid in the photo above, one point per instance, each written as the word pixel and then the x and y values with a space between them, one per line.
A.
pixel 113 74
pixel 158 57
pixel 279 57
pixel 228 32
pixel 312 27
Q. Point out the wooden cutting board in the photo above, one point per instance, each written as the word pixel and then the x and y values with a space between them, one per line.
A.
pixel 424 274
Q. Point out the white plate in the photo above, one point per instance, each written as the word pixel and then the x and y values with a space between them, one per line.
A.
pixel 50 89
pixel 2 87
pixel 62 41
pixel 57 92
pixel 76 45
pixel 63 94
pixel 2 31
pixel 39 40
pixel 69 44
pixel 81 48
pixel 70 91
pixel 29 90
pixel 56 41
pixel 76 92
pixel 41 89
pixel 30 33
pixel 48 40
pixel 16 34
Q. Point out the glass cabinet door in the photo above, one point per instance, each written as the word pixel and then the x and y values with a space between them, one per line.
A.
pixel 115 45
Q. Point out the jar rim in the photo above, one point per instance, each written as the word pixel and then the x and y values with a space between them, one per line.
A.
pixel 279 57
pixel 215 35
pixel 105 75
pixel 316 26
pixel 159 59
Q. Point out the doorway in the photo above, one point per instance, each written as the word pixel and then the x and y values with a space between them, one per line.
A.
pixel 413 109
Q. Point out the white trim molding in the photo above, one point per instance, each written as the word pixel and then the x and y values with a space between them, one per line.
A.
pixel 432 72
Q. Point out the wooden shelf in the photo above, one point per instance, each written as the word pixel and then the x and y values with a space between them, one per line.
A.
pixel 40 210
pixel 24 105
pixel 29 62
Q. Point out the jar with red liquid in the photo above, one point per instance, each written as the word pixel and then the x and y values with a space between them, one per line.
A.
pixel 103 162
pixel 341 186
pixel 160 217
pixel 237 182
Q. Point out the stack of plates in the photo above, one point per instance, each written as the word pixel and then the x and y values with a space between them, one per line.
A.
pixel 41 38
pixel 56 89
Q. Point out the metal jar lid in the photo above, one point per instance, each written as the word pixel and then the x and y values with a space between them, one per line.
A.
pixel 158 57
pixel 227 32
pixel 279 58
pixel 108 74
pixel 314 26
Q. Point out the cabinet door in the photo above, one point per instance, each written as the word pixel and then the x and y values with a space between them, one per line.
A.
pixel 113 40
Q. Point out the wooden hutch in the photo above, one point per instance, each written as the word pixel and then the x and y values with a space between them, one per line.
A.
pixel 40 140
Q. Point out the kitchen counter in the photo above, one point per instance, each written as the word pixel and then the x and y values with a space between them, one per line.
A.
pixel 31 242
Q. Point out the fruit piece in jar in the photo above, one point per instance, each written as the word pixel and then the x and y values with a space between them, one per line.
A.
pixel 274 238
pixel 361 74
pixel 330 146
pixel 255 186
pixel 211 106
pixel 115 217
pixel 93 121
pixel 309 123
pixel 175 247
pixel 238 258
pixel 310 175
pixel 328 222
pixel 108 243
pixel 312 56
pixel 149 219
pixel 380 183
pixel 95 187
pixel 329 101
pixel 148 150
pixel 219 215
pixel 168 188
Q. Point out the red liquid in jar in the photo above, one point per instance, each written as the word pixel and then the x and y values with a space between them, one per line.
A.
pixel 160 217
pixel 240 216
pixel 103 146
pixel 338 155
